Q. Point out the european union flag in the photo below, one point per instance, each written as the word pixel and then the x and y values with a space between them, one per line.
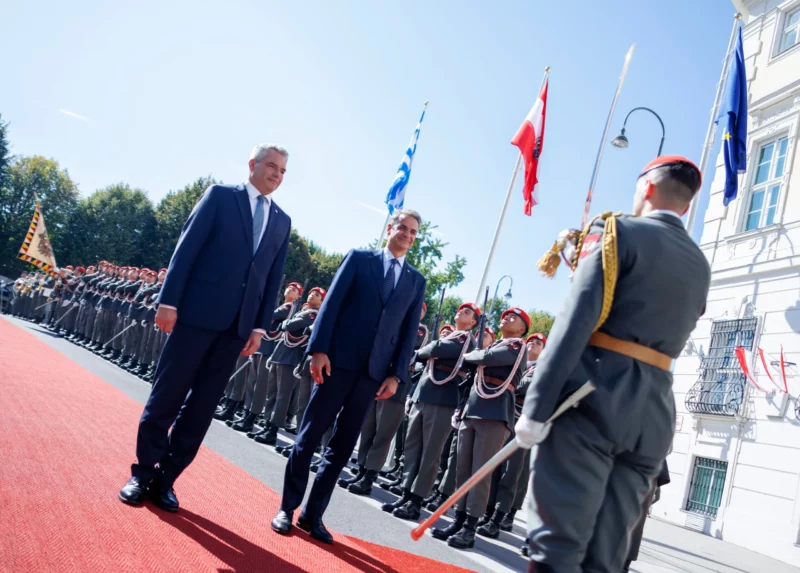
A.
pixel 734 138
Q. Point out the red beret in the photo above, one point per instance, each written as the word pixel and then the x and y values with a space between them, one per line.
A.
pixel 472 306
pixel 162 271
pixel 520 313
pixel 322 292
pixel 450 326
pixel 424 306
pixel 80 270
pixel 70 268
pixel 537 336
pixel 663 160
pixel 296 286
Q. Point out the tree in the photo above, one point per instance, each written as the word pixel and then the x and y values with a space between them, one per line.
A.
pixel 117 224
pixel 449 308
pixel 298 267
pixel 171 214
pixel 541 321
pixel 25 178
pixel 4 156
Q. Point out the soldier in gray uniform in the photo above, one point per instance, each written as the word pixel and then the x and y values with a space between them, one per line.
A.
pixel 287 355
pixel 379 429
pixel 639 288
pixel 135 315
pixel 69 311
pixel 123 294
pixel 511 483
pixel 486 421
pixel 434 402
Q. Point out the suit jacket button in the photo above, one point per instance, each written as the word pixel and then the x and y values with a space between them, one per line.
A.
pixel 244 285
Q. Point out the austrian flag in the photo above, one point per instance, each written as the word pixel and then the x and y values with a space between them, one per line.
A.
pixel 530 140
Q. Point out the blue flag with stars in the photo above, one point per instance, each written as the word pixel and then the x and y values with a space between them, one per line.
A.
pixel 734 111
pixel 397 192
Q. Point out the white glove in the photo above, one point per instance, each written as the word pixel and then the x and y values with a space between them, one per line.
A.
pixel 455 421
pixel 529 433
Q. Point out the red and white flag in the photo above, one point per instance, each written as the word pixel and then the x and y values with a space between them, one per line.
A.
pixel 530 140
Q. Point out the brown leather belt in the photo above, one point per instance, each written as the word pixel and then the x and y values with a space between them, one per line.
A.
pixel 631 350
pixel 443 368
pixel 498 382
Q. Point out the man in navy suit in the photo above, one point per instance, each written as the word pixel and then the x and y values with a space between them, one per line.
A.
pixel 216 303
pixel 360 349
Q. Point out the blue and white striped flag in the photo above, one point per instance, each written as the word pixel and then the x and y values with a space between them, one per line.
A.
pixel 397 192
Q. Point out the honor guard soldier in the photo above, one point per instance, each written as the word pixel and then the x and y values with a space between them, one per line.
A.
pixel 511 485
pixel 487 420
pixel 639 286
pixel 434 402
pixel 287 355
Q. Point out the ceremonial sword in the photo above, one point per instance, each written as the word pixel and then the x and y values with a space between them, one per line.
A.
pixel 498 459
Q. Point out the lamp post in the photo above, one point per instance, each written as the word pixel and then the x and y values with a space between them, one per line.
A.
pixel 506 296
pixel 621 141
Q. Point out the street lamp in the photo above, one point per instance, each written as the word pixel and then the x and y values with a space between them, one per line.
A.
pixel 506 296
pixel 621 141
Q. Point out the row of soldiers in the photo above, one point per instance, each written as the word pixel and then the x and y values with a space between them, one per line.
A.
pixel 466 393
pixel 105 308
pixel 460 410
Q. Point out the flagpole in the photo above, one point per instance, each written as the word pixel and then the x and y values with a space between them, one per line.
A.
pixel 388 215
pixel 711 132
pixel 503 212
pixel 596 168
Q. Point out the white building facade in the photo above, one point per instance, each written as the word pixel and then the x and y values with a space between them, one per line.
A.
pixel 735 463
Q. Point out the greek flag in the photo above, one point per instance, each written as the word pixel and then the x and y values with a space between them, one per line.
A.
pixel 397 192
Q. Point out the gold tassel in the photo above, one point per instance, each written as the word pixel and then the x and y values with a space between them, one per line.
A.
pixel 549 261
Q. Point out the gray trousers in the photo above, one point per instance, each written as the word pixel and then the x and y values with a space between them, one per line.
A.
pixel 305 386
pixel 131 338
pixel 140 352
pixel 244 382
pixel 261 386
pixel 448 484
pixel 69 317
pixel 280 394
pixel 428 429
pixel 379 429
pixel 585 499
pixel 88 320
pixel 478 441
pixel 159 339
pixel 514 481
pixel 120 323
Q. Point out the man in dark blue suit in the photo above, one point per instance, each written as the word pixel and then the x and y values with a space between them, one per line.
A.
pixel 360 349
pixel 216 303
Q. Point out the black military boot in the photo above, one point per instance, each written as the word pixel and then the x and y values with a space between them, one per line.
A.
pixel 131 365
pixel 465 538
pixel 399 502
pixel 444 533
pixel 437 501
pixel 142 371
pixel 486 517
pixel 222 403
pixel 270 437
pixel 259 427
pixel 395 482
pixel 346 481
pixel 227 413
pixel 508 521
pixel 245 424
pixel 410 510
pixel 364 485
pixel 492 529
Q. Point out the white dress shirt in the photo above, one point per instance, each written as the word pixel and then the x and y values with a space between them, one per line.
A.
pixel 253 194
pixel 387 258
pixel 665 211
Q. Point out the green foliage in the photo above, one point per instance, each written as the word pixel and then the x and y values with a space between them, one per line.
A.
pixel 25 178
pixel 117 224
pixel 171 214
pixel 4 156
pixel 541 321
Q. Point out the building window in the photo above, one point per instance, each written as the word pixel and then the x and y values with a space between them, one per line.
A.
pixel 720 389
pixel 791 31
pixel 708 483
pixel 766 188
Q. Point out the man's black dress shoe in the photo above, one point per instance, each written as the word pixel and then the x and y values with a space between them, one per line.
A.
pixel 134 491
pixel 163 496
pixel 315 528
pixel 282 522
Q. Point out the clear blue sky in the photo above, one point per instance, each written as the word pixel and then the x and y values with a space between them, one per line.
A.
pixel 159 93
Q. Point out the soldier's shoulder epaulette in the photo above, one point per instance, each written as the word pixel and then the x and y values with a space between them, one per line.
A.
pixel 515 343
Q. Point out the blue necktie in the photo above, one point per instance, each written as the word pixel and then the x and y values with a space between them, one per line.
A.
pixel 258 222
pixel 388 281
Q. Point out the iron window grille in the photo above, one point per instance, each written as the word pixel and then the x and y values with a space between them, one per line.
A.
pixel 708 483
pixel 720 389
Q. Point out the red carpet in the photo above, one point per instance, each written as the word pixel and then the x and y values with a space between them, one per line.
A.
pixel 66 444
